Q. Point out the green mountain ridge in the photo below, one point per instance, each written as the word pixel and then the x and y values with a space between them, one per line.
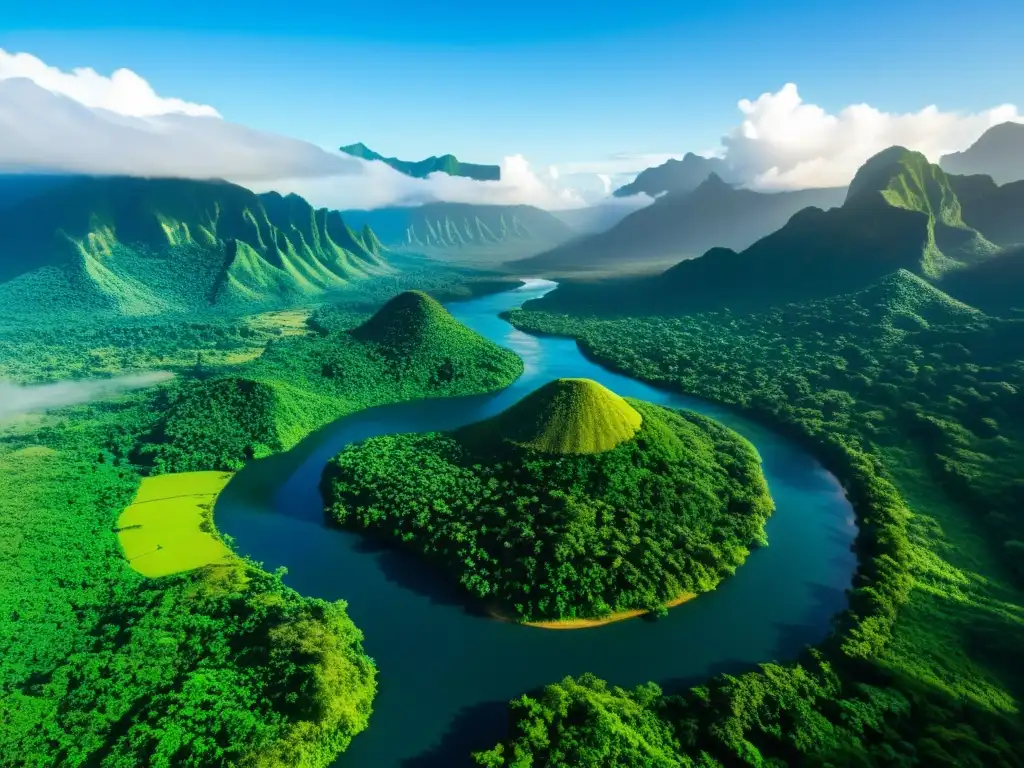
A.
pixel 134 246
pixel 565 416
pixel 900 213
pixel 420 169
pixel 905 180
pixel 463 229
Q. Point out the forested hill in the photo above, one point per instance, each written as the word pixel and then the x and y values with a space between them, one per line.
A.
pixel 133 246
pixel 465 229
pixel 412 348
pixel 536 511
pixel 900 213
pixel 680 225
pixel 914 401
pixel 420 169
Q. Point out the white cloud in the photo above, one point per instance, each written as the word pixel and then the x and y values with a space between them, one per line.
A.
pixel 83 122
pixel 124 92
pixel 379 185
pixel 785 143
pixel 16 399
pixel 619 164
pixel 46 131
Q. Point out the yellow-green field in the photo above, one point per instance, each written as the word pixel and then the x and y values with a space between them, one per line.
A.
pixel 290 322
pixel 167 528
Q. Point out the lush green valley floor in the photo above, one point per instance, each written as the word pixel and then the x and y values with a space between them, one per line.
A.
pixel 914 401
pixel 101 666
pixel 220 665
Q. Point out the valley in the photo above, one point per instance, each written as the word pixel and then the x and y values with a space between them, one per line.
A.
pixel 719 466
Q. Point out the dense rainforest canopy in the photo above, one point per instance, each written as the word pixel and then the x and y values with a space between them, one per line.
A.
pixel 223 665
pixel 914 400
pixel 574 503
pixel 100 666
pixel 411 348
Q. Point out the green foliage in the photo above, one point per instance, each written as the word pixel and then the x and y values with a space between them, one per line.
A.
pixel 913 400
pixel 42 353
pixel 564 416
pixel 611 728
pixel 98 666
pixel 412 348
pixel 671 511
pixel 901 213
pixel 132 246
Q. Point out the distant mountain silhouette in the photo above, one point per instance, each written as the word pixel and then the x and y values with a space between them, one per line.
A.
pixel 995 211
pixel 675 176
pixel 995 286
pixel 420 169
pixel 595 219
pixel 999 153
pixel 900 213
pixel 681 225
pixel 464 229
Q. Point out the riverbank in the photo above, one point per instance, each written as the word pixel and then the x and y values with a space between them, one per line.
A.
pixel 591 623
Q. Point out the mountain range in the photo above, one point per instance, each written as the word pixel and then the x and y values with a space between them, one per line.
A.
pixel 680 225
pixel 900 212
pixel 133 246
pixel 999 153
pixel 676 176
pixel 420 169
pixel 996 210
pixel 465 231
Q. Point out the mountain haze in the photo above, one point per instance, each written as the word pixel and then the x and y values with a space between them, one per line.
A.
pixel 901 213
pixel 465 230
pixel 999 153
pixel 995 211
pixel 420 169
pixel 676 176
pixel 680 225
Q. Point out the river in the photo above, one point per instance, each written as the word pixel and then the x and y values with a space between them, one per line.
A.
pixel 445 672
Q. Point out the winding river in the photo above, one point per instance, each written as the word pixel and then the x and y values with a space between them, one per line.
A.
pixel 446 673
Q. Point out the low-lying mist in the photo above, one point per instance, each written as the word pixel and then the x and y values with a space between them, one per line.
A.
pixel 17 399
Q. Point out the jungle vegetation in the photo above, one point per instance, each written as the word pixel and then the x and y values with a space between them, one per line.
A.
pixel 411 348
pixel 573 503
pixel 914 400
pixel 900 212
pixel 102 666
pixel 218 665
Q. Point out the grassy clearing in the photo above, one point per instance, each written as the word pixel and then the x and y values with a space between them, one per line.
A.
pixel 289 322
pixel 167 528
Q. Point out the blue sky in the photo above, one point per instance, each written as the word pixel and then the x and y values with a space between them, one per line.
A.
pixel 557 85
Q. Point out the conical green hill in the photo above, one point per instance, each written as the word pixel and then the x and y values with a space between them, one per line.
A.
pixel 407 321
pixel 566 416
